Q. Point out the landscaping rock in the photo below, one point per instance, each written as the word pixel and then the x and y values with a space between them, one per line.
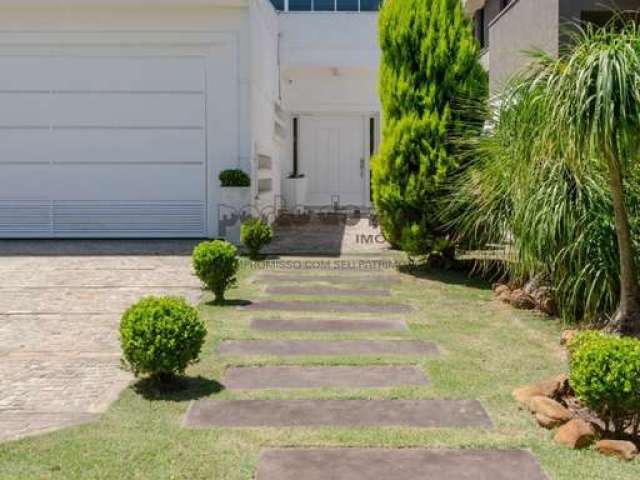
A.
pixel 533 285
pixel 548 306
pixel 547 422
pixel 522 395
pixel 567 336
pixel 575 434
pixel 549 408
pixel 522 300
pixel 502 288
pixel 504 297
pixel 617 448
pixel 552 387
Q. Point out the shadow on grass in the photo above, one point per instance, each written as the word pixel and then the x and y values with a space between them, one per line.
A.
pixel 229 303
pixel 461 276
pixel 182 389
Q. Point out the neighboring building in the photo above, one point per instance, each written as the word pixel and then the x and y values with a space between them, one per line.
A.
pixel 507 29
pixel 117 116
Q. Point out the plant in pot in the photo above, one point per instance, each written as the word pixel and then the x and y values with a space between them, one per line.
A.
pixel 235 198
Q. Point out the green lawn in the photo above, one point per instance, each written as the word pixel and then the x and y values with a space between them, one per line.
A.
pixel 488 350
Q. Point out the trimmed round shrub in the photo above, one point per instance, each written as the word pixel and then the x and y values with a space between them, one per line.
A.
pixel 255 234
pixel 234 178
pixel 161 337
pixel 216 264
pixel 605 375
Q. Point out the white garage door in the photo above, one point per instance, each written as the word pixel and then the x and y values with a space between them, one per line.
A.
pixel 102 146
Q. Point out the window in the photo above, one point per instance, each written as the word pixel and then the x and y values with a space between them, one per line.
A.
pixel 370 5
pixel 602 17
pixel 299 5
pixel 278 4
pixel 327 5
pixel 479 26
pixel 348 5
pixel 324 5
pixel 296 122
pixel 372 151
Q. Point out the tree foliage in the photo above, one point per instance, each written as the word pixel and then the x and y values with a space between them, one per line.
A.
pixel 430 73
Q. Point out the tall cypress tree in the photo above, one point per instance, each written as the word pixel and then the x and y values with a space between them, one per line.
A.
pixel 430 75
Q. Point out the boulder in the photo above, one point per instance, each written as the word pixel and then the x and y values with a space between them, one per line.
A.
pixel 504 297
pixel 547 305
pixel 522 300
pixel 617 448
pixel 575 434
pixel 522 395
pixel 567 336
pixel 549 408
pixel 533 285
pixel 547 422
pixel 501 288
pixel 552 387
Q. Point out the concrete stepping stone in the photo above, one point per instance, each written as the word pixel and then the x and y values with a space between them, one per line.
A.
pixel 326 348
pixel 330 307
pixel 347 279
pixel 338 413
pixel 250 378
pixel 319 290
pixel 397 464
pixel 326 325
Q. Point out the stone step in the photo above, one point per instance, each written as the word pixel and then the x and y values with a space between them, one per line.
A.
pixel 338 413
pixel 326 348
pixel 326 325
pixel 250 378
pixel 346 279
pixel 338 307
pixel 397 464
pixel 319 290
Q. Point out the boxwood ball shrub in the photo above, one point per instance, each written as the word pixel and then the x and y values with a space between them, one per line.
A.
pixel 605 375
pixel 234 178
pixel 216 264
pixel 161 337
pixel 255 234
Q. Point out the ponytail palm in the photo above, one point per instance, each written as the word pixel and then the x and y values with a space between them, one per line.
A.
pixel 558 173
pixel 592 108
pixel 587 113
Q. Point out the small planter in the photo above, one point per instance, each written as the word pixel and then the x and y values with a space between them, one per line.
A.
pixel 295 192
pixel 234 208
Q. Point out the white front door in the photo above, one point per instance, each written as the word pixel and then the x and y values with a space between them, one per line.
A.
pixel 332 157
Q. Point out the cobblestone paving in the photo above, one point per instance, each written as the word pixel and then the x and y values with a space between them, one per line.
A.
pixel 59 314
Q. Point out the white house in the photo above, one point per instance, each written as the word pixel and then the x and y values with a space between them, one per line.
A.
pixel 117 116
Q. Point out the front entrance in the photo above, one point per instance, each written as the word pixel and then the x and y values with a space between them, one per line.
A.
pixel 334 158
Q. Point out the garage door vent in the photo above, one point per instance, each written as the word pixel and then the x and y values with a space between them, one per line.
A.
pixel 128 219
pixel 25 218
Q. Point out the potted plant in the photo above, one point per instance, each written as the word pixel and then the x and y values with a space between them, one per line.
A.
pixel 235 203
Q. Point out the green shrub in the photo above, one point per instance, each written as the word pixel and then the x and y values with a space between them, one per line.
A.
pixel 605 374
pixel 430 74
pixel 234 178
pixel 255 234
pixel 216 264
pixel 161 336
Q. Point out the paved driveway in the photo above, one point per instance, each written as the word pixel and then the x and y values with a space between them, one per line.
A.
pixel 60 304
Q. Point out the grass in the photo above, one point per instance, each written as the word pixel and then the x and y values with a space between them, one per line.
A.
pixel 488 350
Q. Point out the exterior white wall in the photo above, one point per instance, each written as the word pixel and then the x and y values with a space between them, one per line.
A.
pixel 264 93
pixel 230 132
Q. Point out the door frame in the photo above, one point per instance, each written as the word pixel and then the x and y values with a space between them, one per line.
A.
pixel 365 118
